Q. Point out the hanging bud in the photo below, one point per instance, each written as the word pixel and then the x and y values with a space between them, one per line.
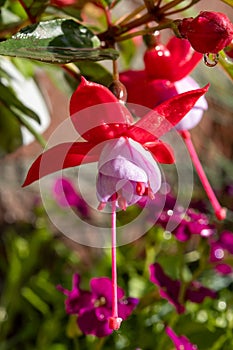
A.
pixel 209 32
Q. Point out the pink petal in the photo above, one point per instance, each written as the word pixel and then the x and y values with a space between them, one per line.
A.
pixel 64 155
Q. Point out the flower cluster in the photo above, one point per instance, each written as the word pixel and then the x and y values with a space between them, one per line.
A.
pixel 219 249
pixel 93 308
pixel 170 289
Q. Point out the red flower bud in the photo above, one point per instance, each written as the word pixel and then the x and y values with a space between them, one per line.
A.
pixel 209 32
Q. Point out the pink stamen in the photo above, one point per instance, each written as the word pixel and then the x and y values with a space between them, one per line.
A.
pixel 114 320
pixel 220 212
pixel 122 202
pixel 101 206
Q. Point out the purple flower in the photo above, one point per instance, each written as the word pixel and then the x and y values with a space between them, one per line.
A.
pixel 66 195
pixel 94 308
pixel 170 289
pixel 126 172
pixel 180 342
pixel 190 223
pixel 218 250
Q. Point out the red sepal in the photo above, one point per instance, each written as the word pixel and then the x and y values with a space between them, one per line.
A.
pixel 161 151
pixel 92 107
pixel 165 116
pixel 62 156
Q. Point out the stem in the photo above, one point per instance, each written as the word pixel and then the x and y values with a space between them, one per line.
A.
pixel 114 320
pixel 115 70
pixel 220 212
pixel 183 8
pixel 170 5
pixel 124 19
pixel 148 30
pixel 71 69
pixel 114 264
pixel 26 9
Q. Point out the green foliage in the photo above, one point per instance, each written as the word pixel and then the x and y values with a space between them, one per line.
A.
pixel 56 41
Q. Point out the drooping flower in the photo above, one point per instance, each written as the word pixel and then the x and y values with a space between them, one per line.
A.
pixel 209 32
pixel 165 75
pixel 164 66
pixel 180 341
pixel 66 195
pixel 170 289
pixel 127 171
pixel 112 122
pixel 127 152
pixel 93 308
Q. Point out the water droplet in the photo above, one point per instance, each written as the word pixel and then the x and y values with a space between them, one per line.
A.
pixel 211 59
pixel 119 90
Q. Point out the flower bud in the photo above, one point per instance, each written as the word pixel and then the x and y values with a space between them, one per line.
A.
pixel 209 32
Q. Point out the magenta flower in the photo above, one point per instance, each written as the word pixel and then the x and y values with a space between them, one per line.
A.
pixel 170 289
pixel 180 342
pixel 209 32
pixel 66 195
pixel 190 223
pixel 94 307
pixel 219 249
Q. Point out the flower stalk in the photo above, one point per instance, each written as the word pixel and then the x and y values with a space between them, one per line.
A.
pixel 114 320
pixel 219 211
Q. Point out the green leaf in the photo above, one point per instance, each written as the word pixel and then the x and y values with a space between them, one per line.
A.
pixel 228 2
pixel 95 72
pixel 9 99
pixel 56 41
pixel 10 132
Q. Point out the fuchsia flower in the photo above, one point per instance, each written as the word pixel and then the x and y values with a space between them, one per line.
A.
pixel 190 223
pixel 209 32
pixel 93 308
pixel 127 152
pixel 164 65
pixel 113 122
pixel 165 75
pixel 180 342
pixel 219 249
pixel 66 195
pixel 170 289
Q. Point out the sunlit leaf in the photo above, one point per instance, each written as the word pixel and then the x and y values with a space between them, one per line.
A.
pixel 226 64
pixel 56 41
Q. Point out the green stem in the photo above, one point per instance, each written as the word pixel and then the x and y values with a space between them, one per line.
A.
pixel 124 19
pixel 27 10
pixel 193 2
pixel 100 343
pixel 170 5
pixel 149 30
